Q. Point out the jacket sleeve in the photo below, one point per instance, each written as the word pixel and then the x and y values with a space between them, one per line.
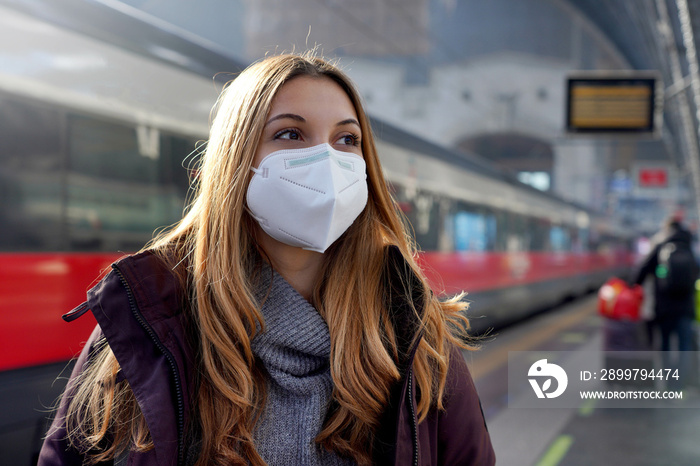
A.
pixel 56 450
pixel 462 435
pixel 648 265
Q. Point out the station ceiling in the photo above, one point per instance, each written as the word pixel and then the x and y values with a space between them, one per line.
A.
pixel 633 26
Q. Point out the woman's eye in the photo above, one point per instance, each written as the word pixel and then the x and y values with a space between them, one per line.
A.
pixel 350 140
pixel 288 134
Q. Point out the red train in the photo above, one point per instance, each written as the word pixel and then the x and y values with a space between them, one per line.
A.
pixel 99 111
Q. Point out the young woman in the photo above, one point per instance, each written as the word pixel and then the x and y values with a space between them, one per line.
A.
pixel 283 320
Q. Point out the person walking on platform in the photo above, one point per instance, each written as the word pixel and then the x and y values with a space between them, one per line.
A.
pixel 284 319
pixel 648 311
pixel 674 268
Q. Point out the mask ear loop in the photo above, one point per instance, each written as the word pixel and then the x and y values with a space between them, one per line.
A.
pixel 262 172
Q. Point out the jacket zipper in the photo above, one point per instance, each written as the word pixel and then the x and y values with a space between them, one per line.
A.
pixel 414 420
pixel 414 423
pixel 168 356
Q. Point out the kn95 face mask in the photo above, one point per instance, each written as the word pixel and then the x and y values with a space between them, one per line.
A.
pixel 308 197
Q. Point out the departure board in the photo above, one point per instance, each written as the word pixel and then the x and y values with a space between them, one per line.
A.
pixel 612 105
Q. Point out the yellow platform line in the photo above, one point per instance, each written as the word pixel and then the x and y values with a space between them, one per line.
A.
pixel 498 356
pixel 556 451
pixel 587 408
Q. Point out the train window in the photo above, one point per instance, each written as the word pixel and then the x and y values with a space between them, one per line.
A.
pixel 30 177
pixel 540 232
pixel 109 151
pixel 501 240
pixel 424 218
pixel 559 239
pixel 76 182
pixel 404 204
pixel 580 240
pixel 474 229
pixel 177 155
pixel 446 234
pixel 491 231
pixel 517 233
pixel 423 211
pixel 468 232
pixel 118 194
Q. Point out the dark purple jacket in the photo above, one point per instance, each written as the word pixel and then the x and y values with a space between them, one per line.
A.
pixel 138 307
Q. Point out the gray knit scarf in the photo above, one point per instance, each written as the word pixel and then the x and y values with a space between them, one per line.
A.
pixel 295 351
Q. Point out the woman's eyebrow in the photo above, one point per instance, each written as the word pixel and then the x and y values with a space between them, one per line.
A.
pixel 349 121
pixel 293 116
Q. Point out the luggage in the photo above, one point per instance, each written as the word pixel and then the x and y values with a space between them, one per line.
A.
pixel 624 335
pixel 623 330
pixel 625 347
pixel 618 301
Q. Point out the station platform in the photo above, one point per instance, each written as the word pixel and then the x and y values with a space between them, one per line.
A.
pixel 592 433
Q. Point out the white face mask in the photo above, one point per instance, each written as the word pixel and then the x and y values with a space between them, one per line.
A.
pixel 308 197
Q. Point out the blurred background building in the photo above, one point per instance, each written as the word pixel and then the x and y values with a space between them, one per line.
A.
pixel 486 78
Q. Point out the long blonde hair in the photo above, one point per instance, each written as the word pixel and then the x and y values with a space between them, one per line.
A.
pixel 216 241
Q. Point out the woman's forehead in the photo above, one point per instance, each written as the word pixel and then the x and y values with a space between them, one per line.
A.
pixel 312 94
